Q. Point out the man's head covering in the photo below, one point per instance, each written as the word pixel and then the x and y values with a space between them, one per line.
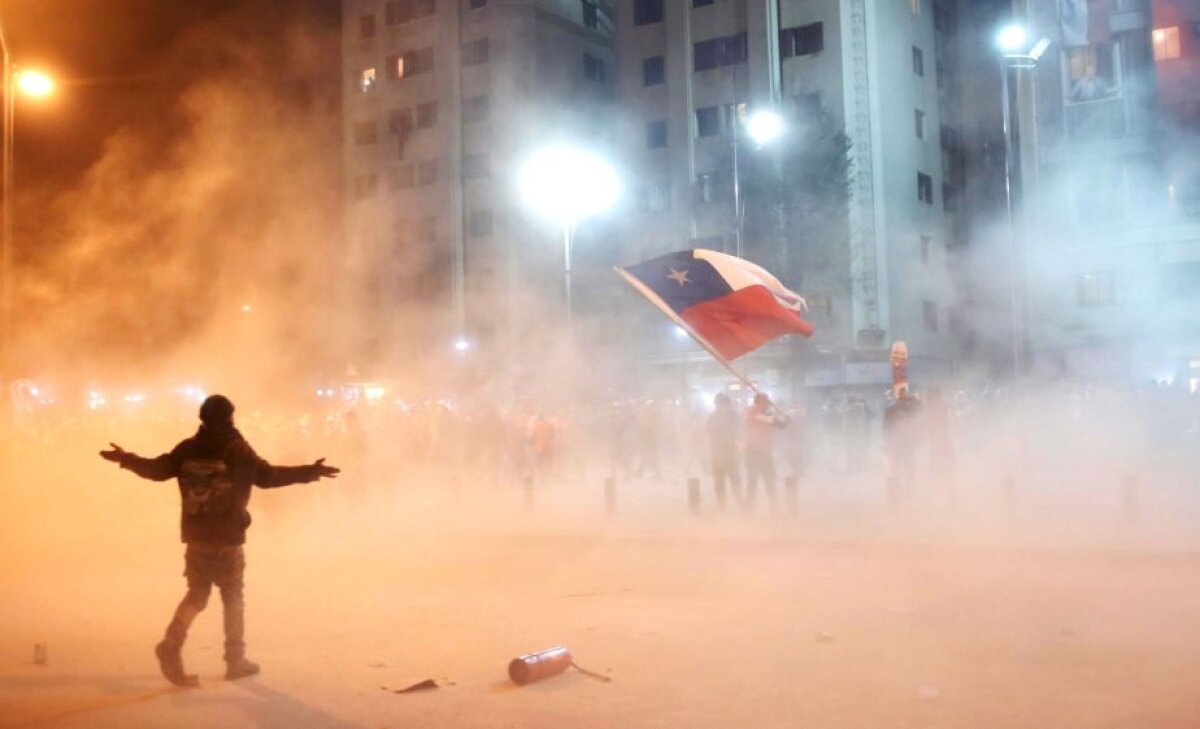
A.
pixel 216 410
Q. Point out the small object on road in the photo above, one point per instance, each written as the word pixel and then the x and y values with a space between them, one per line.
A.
pixel 825 637
pixel 536 666
pixel 929 693
pixel 377 664
pixel 427 685
pixel 39 654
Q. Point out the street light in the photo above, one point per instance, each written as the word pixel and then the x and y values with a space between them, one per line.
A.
pixel 764 127
pixel 1015 55
pixel 567 184
pixel 32 83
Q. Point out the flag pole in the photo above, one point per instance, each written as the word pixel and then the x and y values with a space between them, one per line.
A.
pixel 661 305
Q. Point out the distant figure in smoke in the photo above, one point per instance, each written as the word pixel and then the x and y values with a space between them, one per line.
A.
pixel 722 446
pixel 901 437
pixel 215 469
pixel 762 420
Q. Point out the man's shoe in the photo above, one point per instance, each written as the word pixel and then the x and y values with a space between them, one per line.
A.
pixel 240 668
pixel 170 662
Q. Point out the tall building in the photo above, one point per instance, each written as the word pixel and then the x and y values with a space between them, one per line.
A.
pixel 442 101
pixel 690 73
pixel 1108 214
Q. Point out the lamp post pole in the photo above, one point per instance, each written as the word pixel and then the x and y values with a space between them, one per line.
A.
pixel 568 241
pixel 6 252
pixel 737 182
pixel 1015 260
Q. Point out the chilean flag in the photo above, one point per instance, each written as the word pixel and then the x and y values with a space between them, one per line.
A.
pixel 729 305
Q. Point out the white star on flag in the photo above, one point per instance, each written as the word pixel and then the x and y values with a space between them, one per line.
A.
pixel 679 277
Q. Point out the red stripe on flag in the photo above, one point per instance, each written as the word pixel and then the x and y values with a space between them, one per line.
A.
pixel 743 321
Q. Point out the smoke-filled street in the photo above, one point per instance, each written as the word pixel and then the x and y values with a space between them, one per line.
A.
pixel 842 615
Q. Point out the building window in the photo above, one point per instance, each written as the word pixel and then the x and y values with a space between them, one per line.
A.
pixel 427 172
pixel 404 11
pixel 476 108
pixel 593 68
pixel 1092 73
pixel 647 11
pixel 476 167
pixel 949 198
pixel 366 132
pixel 366 80
pixel 929 312
pixel 656 134
pixel 924 188
pixel 919 120
pixel 725 51
pixel 918 61
pixel 701 3
pixel 400 121
pixel 476 4
pixel 926 248
pixel 591 14
pixel 1166 43
pixel 654 198
pixel 1096 289
pixel 412 63
pixel 802 40
pixel 475 52
pixel 366 26
pixel 427 115
pixel 402 177
pixel 365 186
pixel 708 121
pixel 654 71
pixel 479 224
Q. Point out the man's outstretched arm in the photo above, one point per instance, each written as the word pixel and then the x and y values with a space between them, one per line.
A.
pixel 268 477
pixel 161 468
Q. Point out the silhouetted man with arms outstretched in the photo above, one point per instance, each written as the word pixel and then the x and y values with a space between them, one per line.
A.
pixel 215 468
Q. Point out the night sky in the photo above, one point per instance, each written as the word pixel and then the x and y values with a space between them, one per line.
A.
pixel 118 68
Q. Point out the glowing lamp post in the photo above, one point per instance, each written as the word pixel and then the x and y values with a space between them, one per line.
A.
pixel 1012 41
pixel 29 83
pixel 763 127
pixel 566 185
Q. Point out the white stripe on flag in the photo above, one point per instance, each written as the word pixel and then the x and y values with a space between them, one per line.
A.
pixel 740 273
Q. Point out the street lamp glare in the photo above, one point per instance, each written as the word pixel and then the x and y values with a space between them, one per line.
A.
pixel 461 344
pixel 566 183
pixel 34 83
pixel 764 127
pixel 1012 39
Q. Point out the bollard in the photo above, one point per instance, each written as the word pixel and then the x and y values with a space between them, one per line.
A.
pixel 610 495
pixel 693 489
pixel 1130 501
pixel 1009 489
pixel 527 484
pixel 791 492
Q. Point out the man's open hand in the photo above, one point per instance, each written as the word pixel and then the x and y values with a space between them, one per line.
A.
pixel 116 455
pixel 324 471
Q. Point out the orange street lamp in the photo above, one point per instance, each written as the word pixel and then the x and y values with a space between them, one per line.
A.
pixel 31 83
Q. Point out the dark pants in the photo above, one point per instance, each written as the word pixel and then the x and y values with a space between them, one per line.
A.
pixel 759 463
pixel 725 469
pixel 205 566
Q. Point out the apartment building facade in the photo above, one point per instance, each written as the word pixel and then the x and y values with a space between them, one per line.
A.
pixel 442 101
pixel 690 72
pixel 1109 219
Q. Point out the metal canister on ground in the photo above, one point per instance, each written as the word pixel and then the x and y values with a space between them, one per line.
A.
pixel 536 666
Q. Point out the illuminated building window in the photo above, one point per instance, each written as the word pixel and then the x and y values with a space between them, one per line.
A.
pixel 1096 288
pixel 1092 73
pixel 366 79
pixel 1166 43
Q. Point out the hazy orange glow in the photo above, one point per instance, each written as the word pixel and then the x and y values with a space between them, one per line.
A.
pixel 35 83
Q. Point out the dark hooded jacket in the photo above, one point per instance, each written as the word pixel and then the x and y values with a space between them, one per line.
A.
pixel 243 468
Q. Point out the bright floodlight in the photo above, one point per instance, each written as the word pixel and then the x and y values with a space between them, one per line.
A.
pixel 461 344
pixel 1012 39
pixel 764 127
pixel 567 184
pixel 35 83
